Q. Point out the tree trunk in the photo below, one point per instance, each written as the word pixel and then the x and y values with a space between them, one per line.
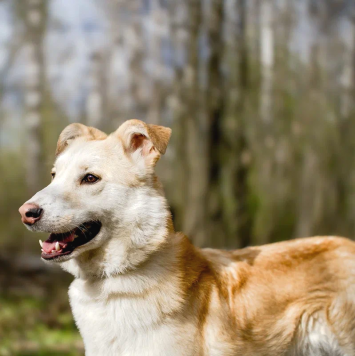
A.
pixel 158 20
pixel 229 219
pixel 190 152
pixel 234 176
pixel 213 104
pixel 35 20
pixel 267 59
pixel 97 98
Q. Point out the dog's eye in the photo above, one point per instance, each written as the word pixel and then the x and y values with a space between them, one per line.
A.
pixel 90 178
pixel 53 175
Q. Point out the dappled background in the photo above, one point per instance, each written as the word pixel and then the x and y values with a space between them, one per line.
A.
pixel 260 95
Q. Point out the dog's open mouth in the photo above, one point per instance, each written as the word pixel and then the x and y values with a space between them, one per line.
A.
pixel 64 244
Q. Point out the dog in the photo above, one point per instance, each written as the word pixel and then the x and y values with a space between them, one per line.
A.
pixel 140 288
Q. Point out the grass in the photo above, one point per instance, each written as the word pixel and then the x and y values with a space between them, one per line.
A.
pixel 30 326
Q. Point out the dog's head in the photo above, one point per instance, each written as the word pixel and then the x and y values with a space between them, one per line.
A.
pixel 103 187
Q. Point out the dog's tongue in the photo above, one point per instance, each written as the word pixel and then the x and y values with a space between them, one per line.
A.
pixel 63 239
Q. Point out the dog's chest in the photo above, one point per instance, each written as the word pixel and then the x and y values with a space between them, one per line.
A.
pixel 127 326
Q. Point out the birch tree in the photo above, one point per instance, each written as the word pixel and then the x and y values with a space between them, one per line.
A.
pixel 267 59
pixel 95 102
pixel 190 154
pixel 348 75
pixel 158 23
pixel 34 14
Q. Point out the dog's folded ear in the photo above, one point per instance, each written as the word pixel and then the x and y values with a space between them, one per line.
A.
pixel 144 140
pixel 73 131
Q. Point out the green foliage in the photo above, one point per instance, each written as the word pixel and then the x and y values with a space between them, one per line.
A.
pixel 13 193
pixel 29 327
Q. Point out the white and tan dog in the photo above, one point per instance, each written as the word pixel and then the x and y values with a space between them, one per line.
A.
pixel 140 288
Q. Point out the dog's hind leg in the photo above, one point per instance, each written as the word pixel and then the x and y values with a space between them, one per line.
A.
pixel 315 337
pixel 341 317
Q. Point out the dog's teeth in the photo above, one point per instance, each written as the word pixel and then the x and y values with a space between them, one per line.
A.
pixel 57 247
pixel 42 250
pixel 41 243
pixel 53 251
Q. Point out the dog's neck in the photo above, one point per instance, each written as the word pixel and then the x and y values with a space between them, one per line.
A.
pixel 140 258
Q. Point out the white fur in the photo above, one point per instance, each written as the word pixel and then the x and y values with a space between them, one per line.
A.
pixel 315 338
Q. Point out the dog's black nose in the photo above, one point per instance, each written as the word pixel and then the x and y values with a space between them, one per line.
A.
pixel 30 213
pixel 34 213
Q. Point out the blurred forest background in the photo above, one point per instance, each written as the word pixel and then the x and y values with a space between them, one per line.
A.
pixel 260 95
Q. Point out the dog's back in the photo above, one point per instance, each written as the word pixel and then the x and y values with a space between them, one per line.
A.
pixel 289 298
